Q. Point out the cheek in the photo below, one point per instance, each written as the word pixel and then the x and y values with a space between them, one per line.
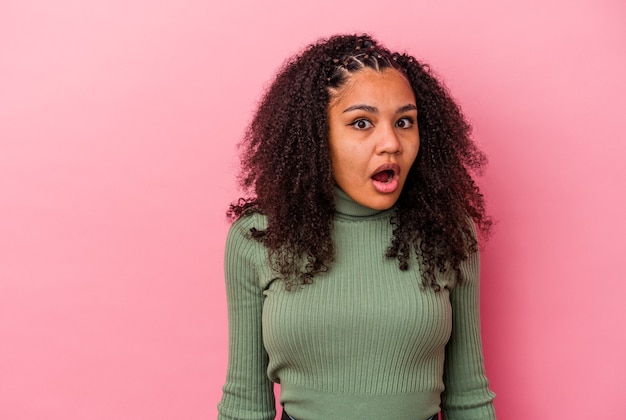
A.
pixel 338 164
pixel 410 152
pixel 344 154
pixel 416 149
pixel 341 164
pixel 415 153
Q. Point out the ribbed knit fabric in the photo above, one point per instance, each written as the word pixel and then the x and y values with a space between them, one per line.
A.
pixel 364 341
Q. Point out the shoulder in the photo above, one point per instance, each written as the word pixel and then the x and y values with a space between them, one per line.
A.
pixel 240 245
pixel 246 260
pixel 469 267
pixel 240 229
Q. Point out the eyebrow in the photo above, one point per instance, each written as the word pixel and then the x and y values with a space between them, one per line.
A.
pixel 374 110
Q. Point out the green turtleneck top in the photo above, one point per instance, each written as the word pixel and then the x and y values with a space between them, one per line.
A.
pixel 364 341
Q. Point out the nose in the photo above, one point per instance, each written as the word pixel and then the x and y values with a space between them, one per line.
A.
pixel 388 141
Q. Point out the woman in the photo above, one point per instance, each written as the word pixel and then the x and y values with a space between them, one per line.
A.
pixel 352 269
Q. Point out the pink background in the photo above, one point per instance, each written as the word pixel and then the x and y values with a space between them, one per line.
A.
pixel 118 126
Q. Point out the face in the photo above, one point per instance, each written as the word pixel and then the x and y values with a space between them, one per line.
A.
pixel 373 136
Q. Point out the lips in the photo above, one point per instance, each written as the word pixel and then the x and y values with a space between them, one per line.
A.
pixel 385 178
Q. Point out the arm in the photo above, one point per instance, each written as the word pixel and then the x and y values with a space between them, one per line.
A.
pixel 248 393
pixel 467 395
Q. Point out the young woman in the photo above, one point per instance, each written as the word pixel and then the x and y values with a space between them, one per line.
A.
pixel 352 268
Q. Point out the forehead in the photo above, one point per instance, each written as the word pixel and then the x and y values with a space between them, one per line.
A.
pixel 370 86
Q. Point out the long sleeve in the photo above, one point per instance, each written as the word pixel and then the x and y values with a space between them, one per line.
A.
pixel 467 395
pixel 248 393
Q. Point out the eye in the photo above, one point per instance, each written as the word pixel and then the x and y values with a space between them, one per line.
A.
pixel 361 124
pixel 406 122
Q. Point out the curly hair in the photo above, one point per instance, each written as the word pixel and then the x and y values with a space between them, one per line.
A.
pixel 287 173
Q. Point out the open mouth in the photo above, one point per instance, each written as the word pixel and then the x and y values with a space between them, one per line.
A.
pixel 385 178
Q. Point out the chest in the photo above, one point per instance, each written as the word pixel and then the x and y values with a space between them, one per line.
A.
pixel 363 305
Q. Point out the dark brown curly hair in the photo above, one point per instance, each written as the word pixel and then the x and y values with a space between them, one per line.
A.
pixel 287 173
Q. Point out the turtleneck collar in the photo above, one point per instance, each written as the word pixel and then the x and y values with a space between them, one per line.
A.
pixel 347 208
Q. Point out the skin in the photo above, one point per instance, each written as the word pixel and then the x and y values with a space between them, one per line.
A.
pixel 373 125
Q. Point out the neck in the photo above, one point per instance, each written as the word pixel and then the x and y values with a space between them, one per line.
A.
pixel 347 207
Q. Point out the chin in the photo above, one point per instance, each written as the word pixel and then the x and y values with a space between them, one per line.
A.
pixel 382 203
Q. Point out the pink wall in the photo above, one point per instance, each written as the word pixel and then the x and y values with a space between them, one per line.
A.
pixel 118 125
